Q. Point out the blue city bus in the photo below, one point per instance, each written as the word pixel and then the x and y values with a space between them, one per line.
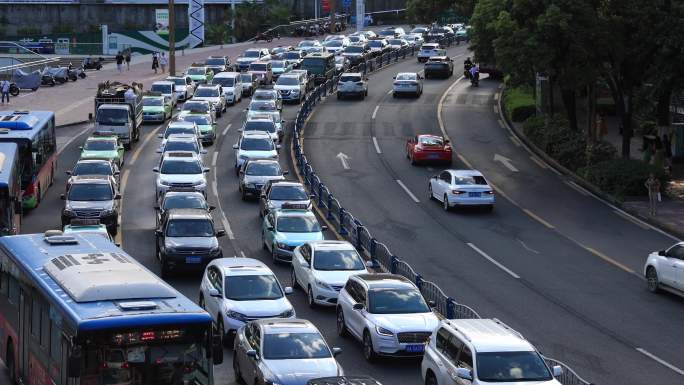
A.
pixel 34 134
pixel 10 190
pixel 77 310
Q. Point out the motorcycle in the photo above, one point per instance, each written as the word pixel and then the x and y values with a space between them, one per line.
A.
pixel 71 73
pixel 13 89
pixel 92 64
pixel 25 80
pixel 267 37
pixel 46 78
pixel 60 74
pixel 475 79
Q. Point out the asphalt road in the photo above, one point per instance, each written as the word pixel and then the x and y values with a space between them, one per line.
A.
pixel 567 271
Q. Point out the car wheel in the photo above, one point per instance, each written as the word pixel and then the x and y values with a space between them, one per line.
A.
pixel 293 279
pixel 165 271
pixel 339 97
pixel 274 255
pixel 394 95
pixel 430 194
pixel 430 380
pixel 445 203
pixel 368 352
pixel 412 158
pixel 341 326
pixel 243 194
pixel 489 208
pixel 236 370
pixel 263 241
pixel 310 297
pixel 201 302
pixel 652 280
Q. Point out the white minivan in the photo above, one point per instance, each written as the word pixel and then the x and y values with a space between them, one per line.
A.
pixel 231 83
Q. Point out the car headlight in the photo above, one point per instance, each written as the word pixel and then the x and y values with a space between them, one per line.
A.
pixel 287 313
pixel 383 332
pixel 281 245
pixel 199 183
pixel 107 212
pixel 164 183
pixel 69 213
pixel 236 316
pixel 243 157
pixel 269 382
pixel 250 185
pixel 295 92
pixel 323 285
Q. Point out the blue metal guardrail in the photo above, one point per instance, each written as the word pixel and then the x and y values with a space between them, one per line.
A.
pixel 353 230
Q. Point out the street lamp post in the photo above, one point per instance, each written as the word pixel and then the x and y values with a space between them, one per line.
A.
pixel 172 39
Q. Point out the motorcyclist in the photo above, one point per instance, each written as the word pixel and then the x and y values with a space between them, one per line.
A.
pixel 467 66
pixel 475 74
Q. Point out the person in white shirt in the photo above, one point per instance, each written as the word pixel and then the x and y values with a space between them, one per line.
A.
pixel 163 62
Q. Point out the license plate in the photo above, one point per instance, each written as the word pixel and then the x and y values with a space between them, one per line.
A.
pixel 433 156
pixel 474 194
pixel 183 189
pixel 415 348
pixel 193 259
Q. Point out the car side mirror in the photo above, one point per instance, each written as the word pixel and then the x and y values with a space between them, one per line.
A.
pixel 447 141
pixel 161 135
pixel 324 227
pixel 220 233
pixel 288 290
pixel 157 208
pixel 358 306
pixel 117 196
pixel 336 351
pixel 212 208
pixel 270 228
pixel 662 253
pixel 464 373
pixel 62 197
pixel 156 169
pixel 214 293
pixel 285 172
pixel 557 370
pixel 431 303
pixel 117 173
pixel 394 77
pixel 370 264
pixel 206 170
pixel 235 146
pixel 67 172
pixel 159 151
pixel 158 232
pixel 80 147
pixel 241 172
pixel 435 177
pixel 278 146
pixel 204 152
pixel 252 353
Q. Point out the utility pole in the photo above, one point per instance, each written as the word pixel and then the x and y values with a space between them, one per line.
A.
pixel 172 39
pixel 232 20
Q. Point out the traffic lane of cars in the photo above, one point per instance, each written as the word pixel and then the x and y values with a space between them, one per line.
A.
pixel 353 190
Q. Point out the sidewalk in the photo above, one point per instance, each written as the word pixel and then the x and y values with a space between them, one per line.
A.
pixel 73 101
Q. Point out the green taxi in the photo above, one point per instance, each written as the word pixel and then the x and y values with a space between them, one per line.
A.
pixel 103 145
pixel 156 108
pixel 205 124
pixel 76 227
pixel 200 74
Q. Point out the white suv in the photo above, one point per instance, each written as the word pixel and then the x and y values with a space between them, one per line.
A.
pixel 352 84
pixel 237 290
pixel 322 268
pixel 664 270
pixel 483 351
pixel 387 313
pixel 254 145
pixel 180 170
pixel 231 86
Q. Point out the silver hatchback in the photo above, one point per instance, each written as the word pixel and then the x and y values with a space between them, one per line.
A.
pixel 352 84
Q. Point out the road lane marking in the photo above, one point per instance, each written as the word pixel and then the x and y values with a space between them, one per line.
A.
pixel 501 123
pixel 225 130
pixel 608 259
pixel 214 158
pixel 137 151
pixel 410 194
pixel 375 111
pixel 496 109
pixel 538 219
pixel 494 261
pixel 496 96
pixel 389 92
pixel 538 162
pixel 68 143
pixel 577 187
pixel 515 140
pixel 119 234
pixel 506 162
pixel 242 254
pixel 377 146
pixel 633 220
pixel 660 361
pixel 465 161
pixel 344 158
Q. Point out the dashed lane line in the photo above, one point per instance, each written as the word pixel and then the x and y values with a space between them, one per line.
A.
pixel 577 188
pixel 377 146
pixel 632 220
pixel 608 259
pixel 410 194
pixel 538 218
pixel 660 361
pixel 214 158
pixel 538 162
pixel 375 112
pixel 68 143
pixel 494 261
pixel 225 130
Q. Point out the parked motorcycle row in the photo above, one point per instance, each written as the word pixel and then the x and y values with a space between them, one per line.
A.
pixel 51 76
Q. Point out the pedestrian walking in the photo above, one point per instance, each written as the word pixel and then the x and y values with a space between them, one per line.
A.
pixel 155 62
pixel 653 186
pixel 4 89
pixel 119 62
pixel 128 60
pixel 163 62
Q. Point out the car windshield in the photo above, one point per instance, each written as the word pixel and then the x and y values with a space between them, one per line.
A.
pixel 207 92
pixel 263 169
pixel 306 43
pixel 334 43
pixel 216 61
pixel 258 67
pixel 293 346
pixel 178 81
pixel 184 201
pixel 181 166
pixel 427 47
pixel 196 71
pixel 353 49
pixel 199 120
pixel 196 106
pixel 406 77
pixel 225 82
pixel 257 144
pixel 291 55
pixel 287 81
pixel 314 65
pixel 288 193
pixel 262 105
pixel 350 78
pixel 189 228
pixel 396 301
pixel 252 288
pixel 470 180
pixel 278 64
pixel 153 101
pixel 430 141
pixel 258 125
pixel 339 59
pixel 163 88
pixel 297 224
pixel 263 95
pixel 387 32
pixel 395 41
pixel 511 367
pixel 418 30
pixel 337 260
pixel 100 145
pixel 252 54
pixel 375 43
pixel 112 116
pixel 178 130
pixel 90 192
pixel 181 145
pixel 247 78
pixel 94 168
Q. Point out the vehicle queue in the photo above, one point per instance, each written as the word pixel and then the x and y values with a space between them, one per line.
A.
pixel 386 313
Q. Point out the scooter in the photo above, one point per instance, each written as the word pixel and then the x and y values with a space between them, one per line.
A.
pixel 71 73
pixel 92 64
pixel 475 79
pixel 13 89
pixel 46 78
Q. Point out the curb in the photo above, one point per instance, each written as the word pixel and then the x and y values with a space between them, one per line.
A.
pixel 594 190
pixel 72 124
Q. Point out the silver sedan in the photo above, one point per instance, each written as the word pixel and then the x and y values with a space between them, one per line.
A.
pixel 407 83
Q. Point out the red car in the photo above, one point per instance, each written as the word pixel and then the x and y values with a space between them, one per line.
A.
pixel 428 148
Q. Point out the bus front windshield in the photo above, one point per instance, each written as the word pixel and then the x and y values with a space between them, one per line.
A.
pixel 151 357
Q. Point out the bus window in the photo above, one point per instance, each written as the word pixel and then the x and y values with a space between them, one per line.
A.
pixel 35 318
pixel 13 290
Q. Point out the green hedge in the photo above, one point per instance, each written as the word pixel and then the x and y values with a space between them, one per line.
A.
pixel 553 136
pixel 622 178
pixel 519 103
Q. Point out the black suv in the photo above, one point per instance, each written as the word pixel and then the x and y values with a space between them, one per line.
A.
pixel 92 197
pixel 181 199
pixel 187 238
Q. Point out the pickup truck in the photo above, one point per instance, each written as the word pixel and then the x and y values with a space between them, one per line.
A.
pixel 116 113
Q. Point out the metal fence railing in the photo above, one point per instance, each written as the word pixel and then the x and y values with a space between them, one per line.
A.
pixel 353 230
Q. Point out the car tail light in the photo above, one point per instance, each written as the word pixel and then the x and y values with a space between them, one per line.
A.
pixel 359 83
pixel 124 365
pixel 458 192
pixel 490 192
pixel 419 147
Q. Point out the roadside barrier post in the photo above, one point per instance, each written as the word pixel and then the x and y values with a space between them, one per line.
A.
pixel 343 230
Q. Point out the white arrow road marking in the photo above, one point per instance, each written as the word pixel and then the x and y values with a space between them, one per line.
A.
pixel 505 161
pixel 344 158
